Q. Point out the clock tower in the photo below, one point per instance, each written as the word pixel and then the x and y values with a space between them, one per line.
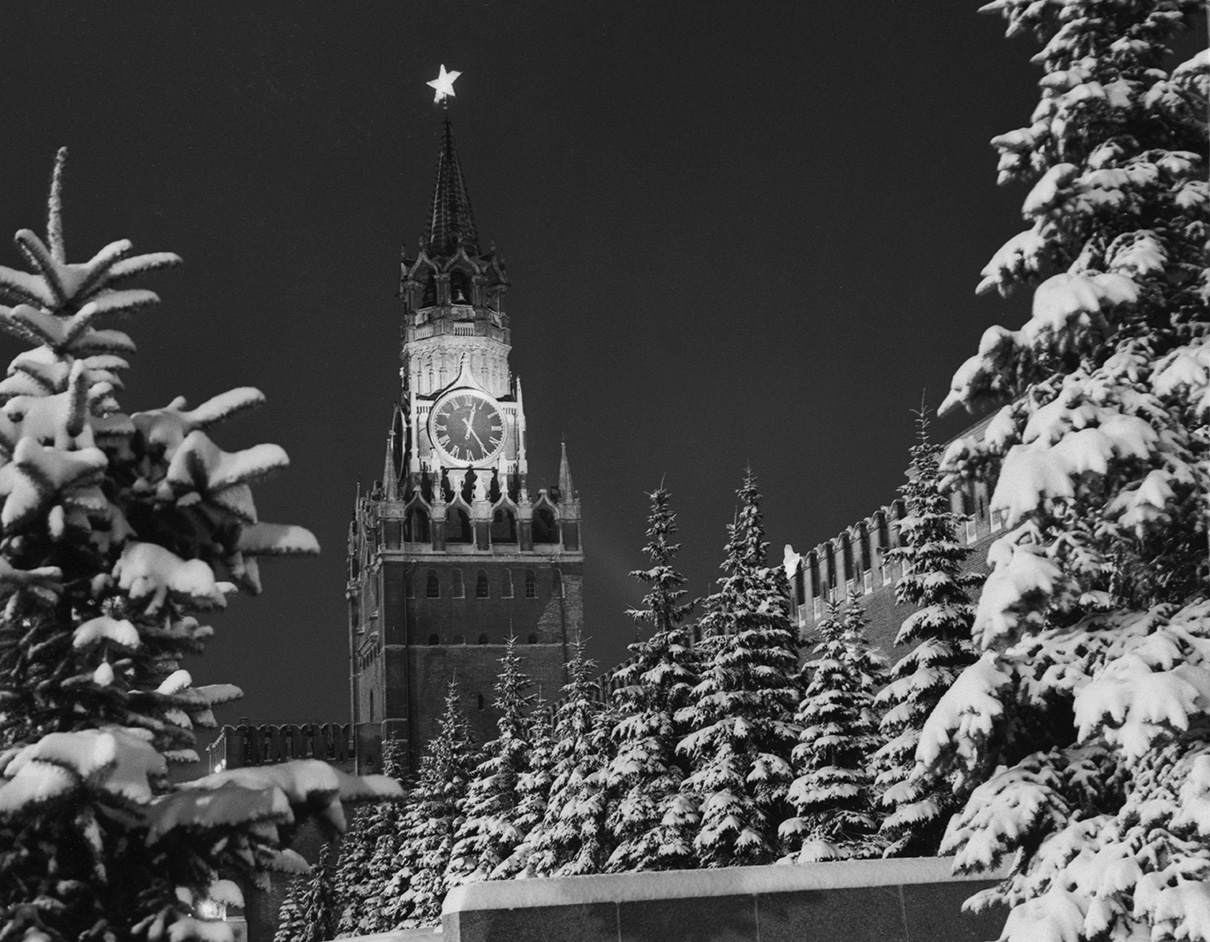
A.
pixel 453 551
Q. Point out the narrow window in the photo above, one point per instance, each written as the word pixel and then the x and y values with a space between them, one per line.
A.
pixel 800 588
pixel 483 639
pixel 532 639
pixel 416 526
pixel 458 526
pixel 545 530
pixel 504 526
pixel 531 584
pixel 481 703
pixel 432 587
pixel 434 639
pixel 481 588
pixel 457 589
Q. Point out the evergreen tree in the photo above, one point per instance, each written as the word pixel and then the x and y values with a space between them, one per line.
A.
pixel 489 834
pixel 533 789
pixel 116 532
pixel 939 632
pixel 572 838
pixel 318 907
pixel 435 814
pixel 741 713
pixel 367 856
pixel 289 914
pixel 1082 728
pixel 833 795
pixel 652 823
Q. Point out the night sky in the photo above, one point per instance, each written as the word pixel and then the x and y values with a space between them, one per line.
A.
pixel 737 234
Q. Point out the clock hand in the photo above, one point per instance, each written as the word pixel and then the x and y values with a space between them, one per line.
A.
pixel 469 430
pixel 478 439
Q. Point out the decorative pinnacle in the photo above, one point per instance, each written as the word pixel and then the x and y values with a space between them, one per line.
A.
pixel 443 85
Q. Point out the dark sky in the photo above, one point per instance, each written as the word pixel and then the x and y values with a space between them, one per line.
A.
pixel 737 233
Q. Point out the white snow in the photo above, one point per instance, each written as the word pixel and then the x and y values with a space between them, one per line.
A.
pixel 148 569
pixel 119 631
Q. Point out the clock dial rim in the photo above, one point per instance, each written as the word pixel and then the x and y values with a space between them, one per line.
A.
pixel 488 401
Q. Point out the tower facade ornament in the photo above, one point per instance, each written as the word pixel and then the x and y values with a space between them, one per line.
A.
pixel 449 555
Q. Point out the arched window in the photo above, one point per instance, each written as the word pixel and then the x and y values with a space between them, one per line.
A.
pixel 504 526
pixel 556 583
pixel 460 288
pixel 545 530
pixel 458 639
pixel 432 587
pixel 482 591
pixel 506 584
pixel 429 298
pixel 434 639
pixel 532 639
pixel 829 561
pixel 458 526
pixel 483 639
pixel 800 588
pixel 457 589
pixel 531 584
pixel 863 542
pixel 816 587
pixel 416 526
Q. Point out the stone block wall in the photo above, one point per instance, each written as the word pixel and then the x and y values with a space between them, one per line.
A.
pixel 911 900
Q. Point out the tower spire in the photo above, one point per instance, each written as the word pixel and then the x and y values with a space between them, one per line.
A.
pixel 451 222
pixel 565 491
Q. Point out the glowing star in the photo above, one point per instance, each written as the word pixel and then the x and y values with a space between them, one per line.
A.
pixel 443 84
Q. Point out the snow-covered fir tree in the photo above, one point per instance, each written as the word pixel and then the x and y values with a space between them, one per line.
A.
pixel 652 823
pixel 833 793
pixel 434 817
pixel 938 633
pixel 318 907
pixel 289 913
pixel 572 837
pixel 741 712
pixel 1083 726
pixel 489 834
pixel 116 532
pixel 533 786
pixel 367 856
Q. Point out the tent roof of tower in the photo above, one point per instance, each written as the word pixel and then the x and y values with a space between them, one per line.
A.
pixel 452 222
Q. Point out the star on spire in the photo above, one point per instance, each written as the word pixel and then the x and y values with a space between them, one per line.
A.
pixel 443 84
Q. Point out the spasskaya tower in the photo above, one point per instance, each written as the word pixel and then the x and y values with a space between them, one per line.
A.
pixel 451 553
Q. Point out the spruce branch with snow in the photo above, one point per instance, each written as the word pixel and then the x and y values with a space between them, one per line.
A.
pixel 1081 730
pixel 116 532
pixel 938 632
pixel 833 793
pixel 740 714
pixel 652 822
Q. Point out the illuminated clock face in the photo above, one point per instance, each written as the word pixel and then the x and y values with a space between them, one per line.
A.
pixel 467 427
